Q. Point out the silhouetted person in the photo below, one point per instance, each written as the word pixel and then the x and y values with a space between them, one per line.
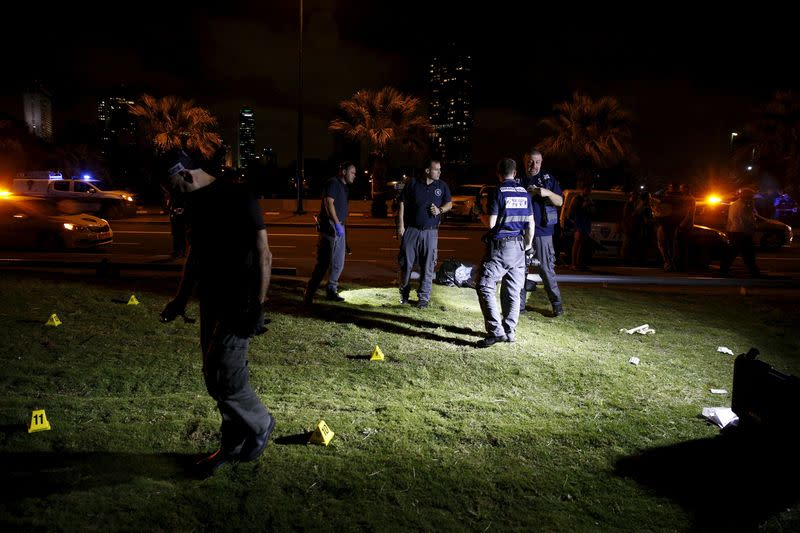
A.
pixel 685 219
pixel 230 263
pixel 741 226
pixel 581 217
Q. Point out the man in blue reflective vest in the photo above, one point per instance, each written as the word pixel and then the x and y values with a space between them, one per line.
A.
pixel 511 228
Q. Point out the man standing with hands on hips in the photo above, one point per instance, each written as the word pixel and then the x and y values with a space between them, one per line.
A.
pixel 332 244
pixel 546 198
pixel 511 228
pixel 422 204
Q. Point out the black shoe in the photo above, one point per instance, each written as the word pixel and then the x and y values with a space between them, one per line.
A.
pixel 208 466
pixel 557 310
pixel 334 297
pixel 403 298
pixel 253 447
pixel 491 340
pixel 422 304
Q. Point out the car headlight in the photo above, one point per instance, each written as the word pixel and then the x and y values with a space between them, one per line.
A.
pixel 127 197
pixel 68 226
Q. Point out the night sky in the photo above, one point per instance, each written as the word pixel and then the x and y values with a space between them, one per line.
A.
pixel 690 74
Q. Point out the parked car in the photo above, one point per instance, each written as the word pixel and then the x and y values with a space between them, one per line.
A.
pixel 706 244
pixel 466 201
pixel 28 222
pixel 770 234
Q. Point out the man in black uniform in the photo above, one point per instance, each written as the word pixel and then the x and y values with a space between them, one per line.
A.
pixel 546 198
pixel 230 262
pixel 422 204
pixel 332 243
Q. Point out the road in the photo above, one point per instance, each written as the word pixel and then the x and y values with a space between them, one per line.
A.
pixel 146 240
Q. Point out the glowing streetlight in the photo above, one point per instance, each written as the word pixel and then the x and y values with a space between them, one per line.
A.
pixel 733 136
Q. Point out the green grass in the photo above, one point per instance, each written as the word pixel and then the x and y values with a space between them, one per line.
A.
pixel 439 436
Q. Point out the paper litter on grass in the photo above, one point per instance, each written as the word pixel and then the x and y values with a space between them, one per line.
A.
pixel 723 349
pixel 721 416
pixel 634 360
pixel 644 329
pixel 719 391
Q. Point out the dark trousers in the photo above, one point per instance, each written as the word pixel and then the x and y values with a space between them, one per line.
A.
pixel 418 246
pixel 178 228
pixel 227 379
pixel 741 243
pixel 330 258
pixel 546 255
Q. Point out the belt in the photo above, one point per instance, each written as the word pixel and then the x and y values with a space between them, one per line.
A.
pixel 425 228
pixel 513 237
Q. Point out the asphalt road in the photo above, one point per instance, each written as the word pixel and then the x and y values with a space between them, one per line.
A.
pixel 146 240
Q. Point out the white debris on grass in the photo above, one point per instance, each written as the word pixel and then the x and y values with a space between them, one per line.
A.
pixel 721 416
pixel 723 349
pixel 719 391
pixel 634 361
pixel 644 329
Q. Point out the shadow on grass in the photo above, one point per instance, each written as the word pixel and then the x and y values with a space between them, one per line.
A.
pixel 386 322
pixel 360 357
pixel 38 474
pixel 300 438
pixel 732 482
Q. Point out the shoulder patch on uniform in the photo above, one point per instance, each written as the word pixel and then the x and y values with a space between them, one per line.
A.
pixel 437 192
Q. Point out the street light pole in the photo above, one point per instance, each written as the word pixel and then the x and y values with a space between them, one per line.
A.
pixel 300 178
pixel 733 136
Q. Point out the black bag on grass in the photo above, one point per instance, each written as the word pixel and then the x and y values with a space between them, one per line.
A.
pixel 763 397
pixel 454 273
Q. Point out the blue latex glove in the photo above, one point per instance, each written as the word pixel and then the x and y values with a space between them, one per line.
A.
pixel 339 230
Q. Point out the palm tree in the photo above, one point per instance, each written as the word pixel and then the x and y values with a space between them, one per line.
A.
pixel 174 123
pixel 595 134
pixel 775 138
pixel 380 120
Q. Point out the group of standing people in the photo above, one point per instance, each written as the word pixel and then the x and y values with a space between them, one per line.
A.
pixel 229 264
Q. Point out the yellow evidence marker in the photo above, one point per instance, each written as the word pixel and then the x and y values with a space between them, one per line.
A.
pixel 53 321
pixel 39 422
pixel 377 354
pixel 322 434
pixel 133 300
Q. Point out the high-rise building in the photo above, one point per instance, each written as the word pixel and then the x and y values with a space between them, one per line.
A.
pixel 38 111
pixel 247 138
pixel 451 106
pixel 115 125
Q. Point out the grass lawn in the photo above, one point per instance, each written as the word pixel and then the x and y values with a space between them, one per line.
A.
pixel 557 432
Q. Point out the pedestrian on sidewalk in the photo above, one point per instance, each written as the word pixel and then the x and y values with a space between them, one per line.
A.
pixel 332 242
pixel 422 203
pixel 230 263
pixel 511 227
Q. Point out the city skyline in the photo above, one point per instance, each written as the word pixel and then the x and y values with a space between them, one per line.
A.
pixel 689 81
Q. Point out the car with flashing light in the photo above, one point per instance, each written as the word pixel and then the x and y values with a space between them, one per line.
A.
pixel 38 223
pixel 79 195
pixel 466 201
pixel 706 244
pixel 770 234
